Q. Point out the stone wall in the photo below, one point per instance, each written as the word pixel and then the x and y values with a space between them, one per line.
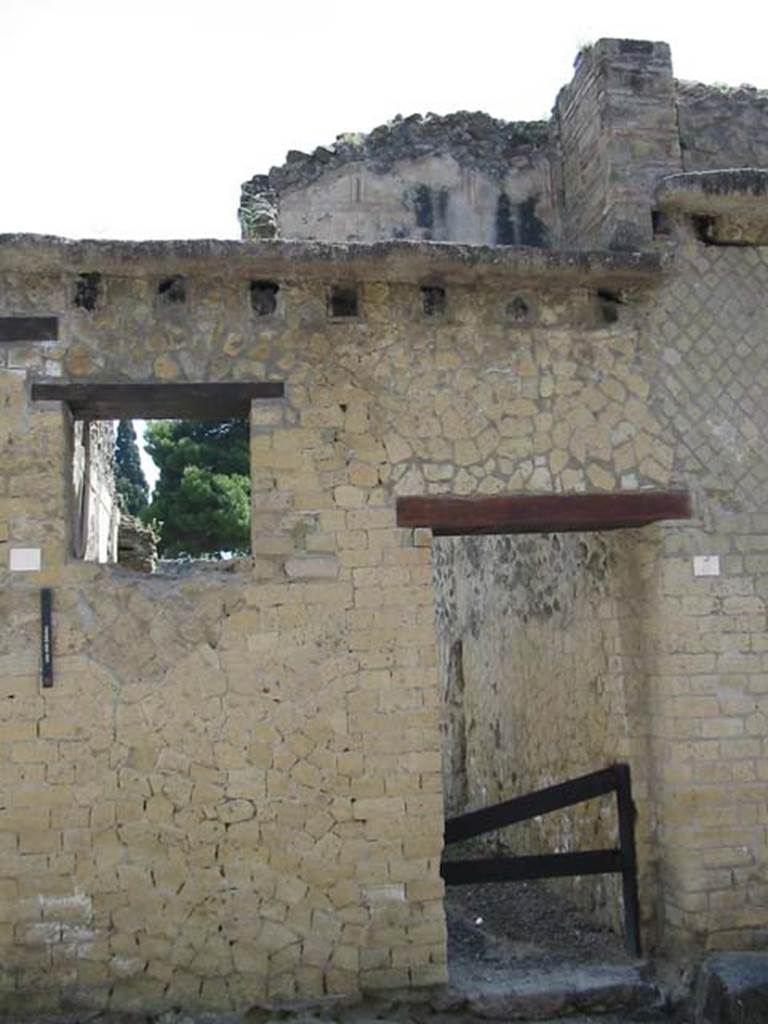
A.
pixel 721 126
pixel 200 814
pixel 232 793
pixel 707 664
pixel 136 544
pixel 432 198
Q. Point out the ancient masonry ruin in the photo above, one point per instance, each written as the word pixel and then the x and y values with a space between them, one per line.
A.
pixel 227 788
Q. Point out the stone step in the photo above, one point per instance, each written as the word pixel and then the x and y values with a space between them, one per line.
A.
pixel 410 1014
pixel 651 1017
pixel 732 988
pixel 541 994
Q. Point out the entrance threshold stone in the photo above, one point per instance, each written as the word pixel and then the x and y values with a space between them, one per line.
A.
pixel 732 988
pixel 529 993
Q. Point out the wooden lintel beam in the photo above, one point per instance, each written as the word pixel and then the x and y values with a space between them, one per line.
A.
pixel 158 401
pixel 28 328
pixel 448 515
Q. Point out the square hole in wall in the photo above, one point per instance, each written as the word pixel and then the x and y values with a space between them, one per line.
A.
pixel 661 224
pixel 172 290
pixel 264 297
pixel 609 303
pixel 87 291
pixel 343 301
pixel 433 300
pixel 519 310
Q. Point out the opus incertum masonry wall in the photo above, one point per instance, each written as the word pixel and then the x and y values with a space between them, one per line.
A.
pixel 233 791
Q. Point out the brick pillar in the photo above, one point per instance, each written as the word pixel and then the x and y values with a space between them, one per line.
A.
pixel 617 126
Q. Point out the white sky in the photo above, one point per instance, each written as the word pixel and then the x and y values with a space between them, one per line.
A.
pixel 140 118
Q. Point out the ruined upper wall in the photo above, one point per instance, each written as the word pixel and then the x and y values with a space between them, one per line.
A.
pixel 465 178
pixel 586 180
pixel 722 127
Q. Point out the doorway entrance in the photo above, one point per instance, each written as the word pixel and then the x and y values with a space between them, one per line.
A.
pixel 539 628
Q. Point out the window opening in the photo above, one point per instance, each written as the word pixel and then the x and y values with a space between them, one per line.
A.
pixel 506 221
pixel 200 506
pixel 198 448
pixel 660 223
pixel 533 231
pixel 151 494
pixel 422 204
pixel 442 205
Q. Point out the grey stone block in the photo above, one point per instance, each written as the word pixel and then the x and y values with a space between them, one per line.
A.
pixel 732 988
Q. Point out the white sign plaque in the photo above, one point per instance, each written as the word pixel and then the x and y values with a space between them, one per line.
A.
pixel 706 565
pixel 25 560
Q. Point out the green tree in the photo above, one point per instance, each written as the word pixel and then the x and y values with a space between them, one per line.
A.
pixel 132 489
pixel 202 500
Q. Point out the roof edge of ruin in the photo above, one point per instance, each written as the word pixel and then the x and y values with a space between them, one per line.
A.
pixel 471 137
pixel 398 260
pixel 726 190
pixel 694 90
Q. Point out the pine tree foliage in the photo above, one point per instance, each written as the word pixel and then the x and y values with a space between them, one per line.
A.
pixel 132 489
pixel 202 500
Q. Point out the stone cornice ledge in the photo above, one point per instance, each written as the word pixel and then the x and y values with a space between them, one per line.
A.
pixel 397 261
pixel 738 191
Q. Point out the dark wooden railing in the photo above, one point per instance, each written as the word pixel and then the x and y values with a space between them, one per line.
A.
pixel 621 860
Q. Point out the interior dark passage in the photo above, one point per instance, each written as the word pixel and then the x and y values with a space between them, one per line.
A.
pixel 530 634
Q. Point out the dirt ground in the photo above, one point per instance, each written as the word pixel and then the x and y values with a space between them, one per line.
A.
pixel 521 925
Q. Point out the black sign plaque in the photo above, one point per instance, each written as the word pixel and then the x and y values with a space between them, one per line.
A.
pixel 46 636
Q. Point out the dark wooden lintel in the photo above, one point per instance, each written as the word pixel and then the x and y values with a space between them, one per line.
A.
pixel 28 328
pixel 447 515
pixel 158 401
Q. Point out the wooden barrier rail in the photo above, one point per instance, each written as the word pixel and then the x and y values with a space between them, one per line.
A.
pixel 621 860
